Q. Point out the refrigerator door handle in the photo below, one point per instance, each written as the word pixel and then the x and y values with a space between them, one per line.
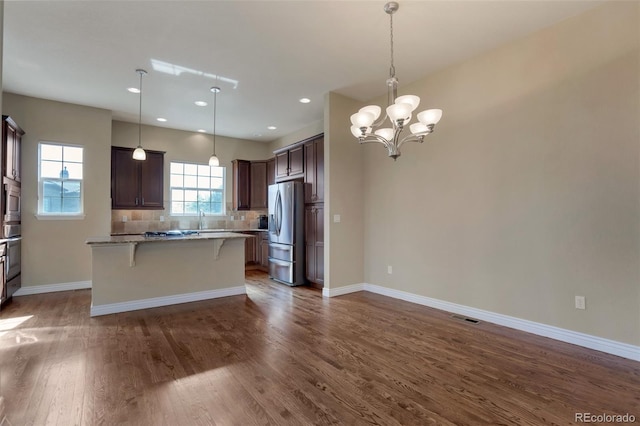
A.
pixel 278 213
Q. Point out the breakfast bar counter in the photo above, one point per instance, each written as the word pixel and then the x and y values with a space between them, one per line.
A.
pixel 131 272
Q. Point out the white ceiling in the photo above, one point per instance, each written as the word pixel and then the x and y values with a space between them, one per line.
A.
pixel 86 52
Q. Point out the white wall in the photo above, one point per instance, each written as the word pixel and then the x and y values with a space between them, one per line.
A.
pixel 53 251
pixel 344 195
pixel 527 193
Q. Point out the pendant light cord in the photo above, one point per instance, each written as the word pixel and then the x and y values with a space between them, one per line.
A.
pixel 140 113
pixel 215 99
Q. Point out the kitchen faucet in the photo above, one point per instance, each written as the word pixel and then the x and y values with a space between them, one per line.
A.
pixel 201 220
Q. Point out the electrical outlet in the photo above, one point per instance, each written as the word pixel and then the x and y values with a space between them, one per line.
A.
pixel 161 218
pixel 389 269
pixel 241 217
pixel 580 302
pixel 125 218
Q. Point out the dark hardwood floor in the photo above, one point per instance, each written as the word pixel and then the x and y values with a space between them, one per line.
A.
pixel 286 356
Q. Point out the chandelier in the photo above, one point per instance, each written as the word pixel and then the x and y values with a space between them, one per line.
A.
pixel 399 112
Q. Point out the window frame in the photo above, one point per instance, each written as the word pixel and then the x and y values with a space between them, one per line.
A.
pixel 222 190
pixel 41 214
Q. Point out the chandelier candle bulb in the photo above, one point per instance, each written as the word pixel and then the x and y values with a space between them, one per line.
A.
pixel 355 131
pixel 419 129
pixel 412 100
pixel 399 112
pixel 372 109
pixel 385 133
pixel 362 119
pixel 430 116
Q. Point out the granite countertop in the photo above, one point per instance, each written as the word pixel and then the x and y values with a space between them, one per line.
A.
pixel 140 238
pixel 203 231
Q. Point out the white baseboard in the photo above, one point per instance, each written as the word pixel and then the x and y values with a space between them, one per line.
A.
pixel 155 302
pixel 624 350
pixel 332 292
pixel 51 288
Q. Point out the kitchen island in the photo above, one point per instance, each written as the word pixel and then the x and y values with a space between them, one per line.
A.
pixel 131 272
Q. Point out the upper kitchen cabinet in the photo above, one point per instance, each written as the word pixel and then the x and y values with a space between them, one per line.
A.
pixel 271 172
pixel 12 143
pixel 136 184
pixel 241 184
pixel 258 198
pixel 250 184
pixel 290 163
pixel 314 170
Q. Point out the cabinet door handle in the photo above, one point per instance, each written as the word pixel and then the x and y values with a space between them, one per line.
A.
pixel 136 201
pixel 143 201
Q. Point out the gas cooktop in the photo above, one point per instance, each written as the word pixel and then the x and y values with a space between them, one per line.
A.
pixel 175 233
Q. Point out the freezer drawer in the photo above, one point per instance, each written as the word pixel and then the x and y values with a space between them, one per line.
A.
pixel 281 271
pixel 281 252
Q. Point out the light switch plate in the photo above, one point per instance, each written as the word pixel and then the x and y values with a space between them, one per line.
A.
pixel 336 218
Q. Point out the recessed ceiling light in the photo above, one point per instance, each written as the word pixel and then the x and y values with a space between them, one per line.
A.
pixel 272 127
pixel 305 100
pixel 161 119
pixel 200 103
pixel 202 130
pixel 133 90
pixel 257 135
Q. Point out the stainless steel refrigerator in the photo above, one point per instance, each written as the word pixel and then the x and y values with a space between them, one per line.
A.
pixel 286 233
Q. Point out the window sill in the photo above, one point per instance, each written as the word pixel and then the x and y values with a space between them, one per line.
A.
pixel 60 216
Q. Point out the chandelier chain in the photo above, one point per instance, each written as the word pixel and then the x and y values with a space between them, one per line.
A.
pixel 392 70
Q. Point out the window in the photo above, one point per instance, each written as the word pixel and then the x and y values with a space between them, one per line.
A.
pixel 195 188
pixel 60 179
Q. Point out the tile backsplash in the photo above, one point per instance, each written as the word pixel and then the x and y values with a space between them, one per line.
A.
pixel 140 221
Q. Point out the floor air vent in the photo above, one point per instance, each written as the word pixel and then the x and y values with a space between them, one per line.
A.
pixel 465 319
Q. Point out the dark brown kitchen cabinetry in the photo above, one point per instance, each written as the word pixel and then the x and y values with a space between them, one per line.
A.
pixel 263 243
pixel 256 250
pixel 250 252
pixel 258 190
pixel 271 172
pixel 250 184
pixel 137 184
pixel 12 137
pixel 290 163
pixel 314 242
pixel 241 184
pixel 314 170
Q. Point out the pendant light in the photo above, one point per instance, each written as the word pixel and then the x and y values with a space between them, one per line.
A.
pixel 139 153
pixel 213 160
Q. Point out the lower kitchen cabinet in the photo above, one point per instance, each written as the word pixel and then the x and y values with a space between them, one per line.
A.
pixel 264 251
pixel 256 251
pixel 314 242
